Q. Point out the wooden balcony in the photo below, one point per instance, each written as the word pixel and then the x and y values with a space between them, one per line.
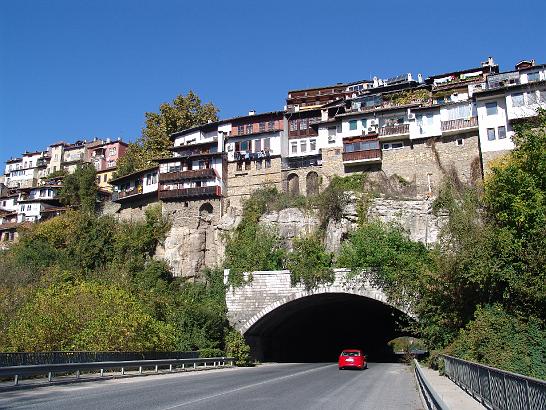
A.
pixel 187 175
pixel 368 156
pixel 454 126
pixel 394 130
pixel 190 193
pixel 120 196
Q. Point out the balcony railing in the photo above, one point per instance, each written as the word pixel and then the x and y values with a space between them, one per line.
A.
pixel 394 130
pixel 185 175
pixel 459 124
pixel 301 162
pixel 116 196
pixel 190 193
pixel 368 155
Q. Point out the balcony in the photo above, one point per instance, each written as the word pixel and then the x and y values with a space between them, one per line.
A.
pixel 187 175
pixel 372 156
pixel 118 196
pixel 190 193
pixel 301 162
pixel 393 131
pixel 462 124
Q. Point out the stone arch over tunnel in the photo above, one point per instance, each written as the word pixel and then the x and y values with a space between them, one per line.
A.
pixel 316 327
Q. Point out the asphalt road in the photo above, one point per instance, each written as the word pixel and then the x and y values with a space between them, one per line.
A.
pixel 271 386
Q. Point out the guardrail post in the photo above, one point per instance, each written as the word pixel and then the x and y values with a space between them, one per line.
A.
pixel 49 376
pixel 16 380
pixel 183 366
pixel 77 374
pixel 122 371
pixel 101 372
pixel 205 364
pixel 194 365
pixel 170 367
pixel 139 369
pixel 156 368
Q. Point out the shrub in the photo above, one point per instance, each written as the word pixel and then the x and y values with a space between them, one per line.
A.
pixel 309 263
pixel 237 347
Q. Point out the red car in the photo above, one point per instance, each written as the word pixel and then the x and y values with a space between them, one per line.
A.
pixel 352 358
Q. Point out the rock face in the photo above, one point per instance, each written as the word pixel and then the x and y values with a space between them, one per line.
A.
pixel 290 223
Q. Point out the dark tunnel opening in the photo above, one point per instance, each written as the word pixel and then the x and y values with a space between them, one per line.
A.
pixel 317 328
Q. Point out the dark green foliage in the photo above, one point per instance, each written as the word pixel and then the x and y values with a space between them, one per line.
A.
pixel 309 263
pixel 237 347
pixel 79 188
pixel 496 338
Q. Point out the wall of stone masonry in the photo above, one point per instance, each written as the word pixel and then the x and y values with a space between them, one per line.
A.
pixel 488 157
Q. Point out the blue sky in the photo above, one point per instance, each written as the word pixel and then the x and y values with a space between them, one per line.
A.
pixel 79 69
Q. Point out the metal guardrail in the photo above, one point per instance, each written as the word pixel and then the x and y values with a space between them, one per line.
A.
pixel 29 358
pixel 50 369
pixel 495 388
pixel 432 399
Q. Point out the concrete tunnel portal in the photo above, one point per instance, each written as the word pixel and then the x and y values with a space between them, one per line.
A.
pixel 317 327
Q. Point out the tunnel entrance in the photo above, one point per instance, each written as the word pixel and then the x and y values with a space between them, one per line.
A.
pixel 316 328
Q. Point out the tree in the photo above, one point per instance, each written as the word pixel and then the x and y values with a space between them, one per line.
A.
pixel 184 112
pixel 80 189
pixel 309 262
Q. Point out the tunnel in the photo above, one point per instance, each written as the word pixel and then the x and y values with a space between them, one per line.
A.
pixel 317 328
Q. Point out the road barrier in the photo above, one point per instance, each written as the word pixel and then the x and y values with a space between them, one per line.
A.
pixel 432 399
pixel 51 369
pixel 495 388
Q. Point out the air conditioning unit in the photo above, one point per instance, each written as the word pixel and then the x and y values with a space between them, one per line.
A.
pixel 411 116
pixel 373 122
pixel 331 139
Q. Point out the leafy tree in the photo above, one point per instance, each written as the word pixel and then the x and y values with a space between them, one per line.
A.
pixel 79 188
pixel 309 262
pixel 237 347
pixel 184 112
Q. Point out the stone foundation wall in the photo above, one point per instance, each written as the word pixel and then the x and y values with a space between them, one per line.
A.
pixel 488 157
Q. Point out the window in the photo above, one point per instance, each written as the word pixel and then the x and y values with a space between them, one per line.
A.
pixel 105 178
pixel 202 165
pixel 502 132
pixel 459 142
pixel 271 125
pixel 533 76
pixel 268 163
pixel 239 166
pixel 348 148
pixel 352 125
pixel 22 208
pixel 293 125
pixel 364 123
pixel 240 129
pixel 294 147
pixel 148 179
pixel 517 100
pixel 112 151
pixel 29 207
pixel 532 98
pixel 42 193
pixel 98 179
pixel 262 127
pixel 491 108
pixel 257 145
pixel 331 132
pixel 303 124
pixel 249 129
pixel 244 146
pixel 392 145
pixel 303 146
pixel 312 145
pixel 259 164
pixel 491 134
pixel 267 144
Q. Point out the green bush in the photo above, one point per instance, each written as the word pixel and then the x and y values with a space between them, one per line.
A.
pixel 210 352
pixel 309 263
pixel 237 347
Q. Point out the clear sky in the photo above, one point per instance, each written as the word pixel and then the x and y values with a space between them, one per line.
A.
pixel 74 69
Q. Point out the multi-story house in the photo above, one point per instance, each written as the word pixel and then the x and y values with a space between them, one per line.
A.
pixel 197 168
pixel 73 155
pixel 38 203
pixel 137 187
pixel 254 146
pixel 509 97
pixel 24 172
pixel 104 154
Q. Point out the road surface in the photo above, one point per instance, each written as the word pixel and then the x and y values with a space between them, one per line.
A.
pixel 270 386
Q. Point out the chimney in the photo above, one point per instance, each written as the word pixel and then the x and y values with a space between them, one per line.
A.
pixel 420 78
pixel 252 112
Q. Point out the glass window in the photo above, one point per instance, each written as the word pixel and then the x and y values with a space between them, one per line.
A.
pixel 244 146
pixel 105 177
pixel 533 76
pixel 262 126
pixel 459 142
pixel 517 100
pixel 294 146
pixel 349 148
pixel 332 131
pixel 312 145
pixel 303 124
pixel 352 125
pixel 491 134
pixel 502 132
pixel 364 122
pixel 240 129
pixel 532 98
pixel 271 125
pixel 249 129
pixel 491 108
pixel 397 145
pixel 267 144
pixel 303 146
pixel 293 124
pixel 257 145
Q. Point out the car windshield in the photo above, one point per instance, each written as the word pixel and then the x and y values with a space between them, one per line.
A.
pixel 350 353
